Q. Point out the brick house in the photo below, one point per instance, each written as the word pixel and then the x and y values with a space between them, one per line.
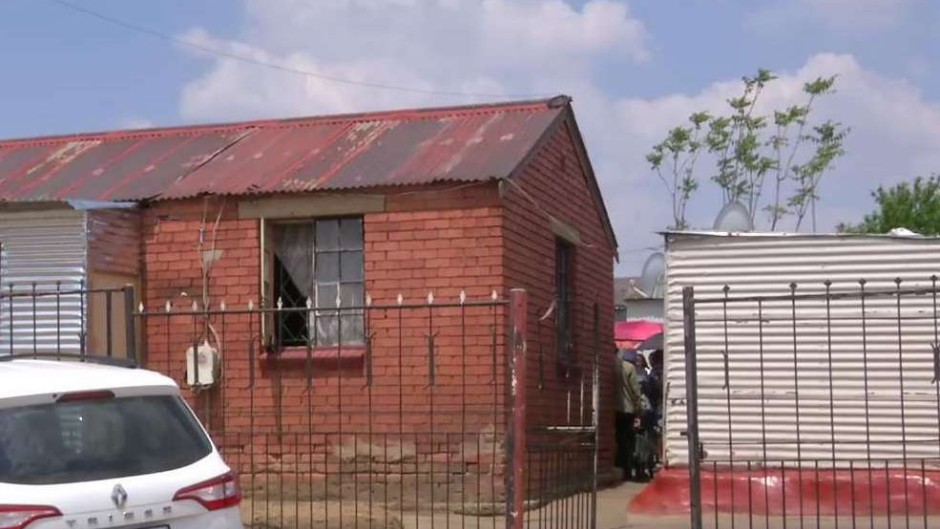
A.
pixel 359 209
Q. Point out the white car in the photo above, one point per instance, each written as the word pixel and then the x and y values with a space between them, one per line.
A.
pixel 90 446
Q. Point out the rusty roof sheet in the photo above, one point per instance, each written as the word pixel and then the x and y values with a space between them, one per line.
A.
pixel 409 147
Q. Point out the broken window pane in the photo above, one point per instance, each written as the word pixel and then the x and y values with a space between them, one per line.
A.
pixel 293 247
pixel 291 326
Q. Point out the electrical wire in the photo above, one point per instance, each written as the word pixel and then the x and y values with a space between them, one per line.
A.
pixel 547 214
pixel 643 248
pixel 538 205
pixel 258 62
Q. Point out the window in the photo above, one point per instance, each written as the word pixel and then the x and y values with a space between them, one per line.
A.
pixel 93 440
pixel 319 260
pixel 564 261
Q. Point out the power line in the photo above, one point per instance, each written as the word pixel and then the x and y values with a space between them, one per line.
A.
pixel 257 62
pixel 642 249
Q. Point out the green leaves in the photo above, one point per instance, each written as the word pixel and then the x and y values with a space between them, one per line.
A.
pixel 674 159
pixel 747 148
pixel 699 118
pixel 913 206
pixel 821 86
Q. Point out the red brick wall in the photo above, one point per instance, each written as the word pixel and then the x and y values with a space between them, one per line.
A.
pixel 172 273
pixel 466 239
pixel 554 184
pixel 443 242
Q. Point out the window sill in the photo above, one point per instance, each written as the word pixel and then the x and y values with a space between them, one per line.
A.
pixel 319 355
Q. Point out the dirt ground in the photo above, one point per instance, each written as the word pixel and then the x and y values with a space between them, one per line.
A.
pixel 268 508
pixel 311 503
pixel 326 511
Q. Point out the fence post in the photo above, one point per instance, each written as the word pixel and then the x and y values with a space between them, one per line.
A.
pixel 691 399
pixel 595 415
pixel 130 327
pixel 516 429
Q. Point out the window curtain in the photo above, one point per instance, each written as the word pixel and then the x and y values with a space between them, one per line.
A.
pixel 294 248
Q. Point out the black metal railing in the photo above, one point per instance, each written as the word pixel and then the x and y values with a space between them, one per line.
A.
pixel 54 319
pixel 406 426
pixel 413 422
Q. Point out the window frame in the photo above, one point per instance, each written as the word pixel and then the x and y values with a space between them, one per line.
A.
pixel 564 300
pixel 321 308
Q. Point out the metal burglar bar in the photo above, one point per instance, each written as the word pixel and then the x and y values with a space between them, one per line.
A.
pixel 818 407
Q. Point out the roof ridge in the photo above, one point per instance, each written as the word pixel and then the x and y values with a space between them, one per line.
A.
pixel 401 114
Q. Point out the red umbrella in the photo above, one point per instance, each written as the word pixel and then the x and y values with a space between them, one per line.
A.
pixel 627 344
pixel 636 331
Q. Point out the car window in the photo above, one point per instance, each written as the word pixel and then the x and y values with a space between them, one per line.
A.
pixel 89 440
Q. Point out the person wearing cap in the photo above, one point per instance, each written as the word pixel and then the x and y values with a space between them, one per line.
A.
pixel 628 409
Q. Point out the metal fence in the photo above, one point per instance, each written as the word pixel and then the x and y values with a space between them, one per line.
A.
pixel 416 417
pixel 403 424
pixel 819 407
pixel 48 319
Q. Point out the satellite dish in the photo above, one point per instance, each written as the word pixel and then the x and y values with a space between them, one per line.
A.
pixel 653 276
pixel 734 217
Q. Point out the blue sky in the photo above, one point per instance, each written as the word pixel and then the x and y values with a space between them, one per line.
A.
pixel 635 68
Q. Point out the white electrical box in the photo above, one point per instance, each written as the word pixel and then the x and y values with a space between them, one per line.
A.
pixel 202 366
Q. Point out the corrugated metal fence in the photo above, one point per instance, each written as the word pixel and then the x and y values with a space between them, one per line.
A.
pixel 45 251
pixel 766 266
pixel 803 379
pixel 834 395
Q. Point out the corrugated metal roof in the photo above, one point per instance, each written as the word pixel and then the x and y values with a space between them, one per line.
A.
pixel 899 233
pixel 458 144
pixel 767 358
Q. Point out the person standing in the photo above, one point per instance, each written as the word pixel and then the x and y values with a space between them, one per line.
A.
pixel 656 383
pixel 628 409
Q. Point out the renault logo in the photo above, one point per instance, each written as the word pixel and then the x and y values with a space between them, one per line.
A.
pixel 119 496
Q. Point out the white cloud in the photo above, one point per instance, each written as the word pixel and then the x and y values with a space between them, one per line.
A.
pixel 510 47
pixel 895 136
pixel 493 47
pixel 544 30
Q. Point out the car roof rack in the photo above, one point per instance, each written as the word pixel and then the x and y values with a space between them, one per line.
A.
pixel 72 357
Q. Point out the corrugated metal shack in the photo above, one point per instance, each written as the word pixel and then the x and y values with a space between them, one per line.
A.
pixel 848 408
pixel 59 249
